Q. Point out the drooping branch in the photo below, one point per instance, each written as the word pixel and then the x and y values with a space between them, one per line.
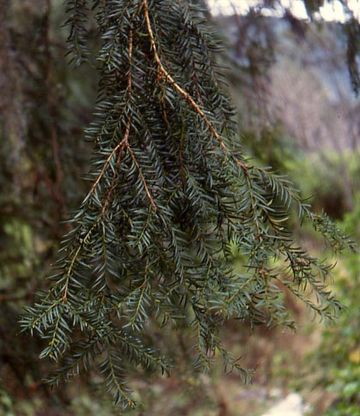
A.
pixel 145 245
pixel 187 97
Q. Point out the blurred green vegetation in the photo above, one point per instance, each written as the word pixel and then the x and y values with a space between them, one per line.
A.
pixel 337 360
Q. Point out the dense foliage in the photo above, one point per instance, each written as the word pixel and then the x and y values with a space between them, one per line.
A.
pixel 171 195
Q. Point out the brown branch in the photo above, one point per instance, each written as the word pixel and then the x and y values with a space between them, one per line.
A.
pixel 117 148
pixel 132 154
pixel 78 250
pixel 147 190
pixel 124 143
pixel 187 97
pixel 73 260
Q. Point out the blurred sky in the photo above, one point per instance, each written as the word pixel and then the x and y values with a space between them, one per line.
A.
pixel 330 11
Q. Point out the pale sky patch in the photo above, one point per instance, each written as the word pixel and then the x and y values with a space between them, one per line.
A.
pixel 330 11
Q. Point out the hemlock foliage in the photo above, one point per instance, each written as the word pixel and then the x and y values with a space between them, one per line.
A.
pixel 172 200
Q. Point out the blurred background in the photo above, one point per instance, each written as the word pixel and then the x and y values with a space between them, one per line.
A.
pixel 293 82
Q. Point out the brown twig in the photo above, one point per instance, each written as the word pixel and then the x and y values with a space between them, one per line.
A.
pixel 126 137
pixel 147 190
pixel 123 144
pixel 116 149
pixel 187 97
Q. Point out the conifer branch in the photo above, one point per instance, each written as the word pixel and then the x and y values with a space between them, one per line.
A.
pixel 118 148
pixel 187 97
pixel 73 260
pixel 125 141
pixel 141 175
pixel 126 261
